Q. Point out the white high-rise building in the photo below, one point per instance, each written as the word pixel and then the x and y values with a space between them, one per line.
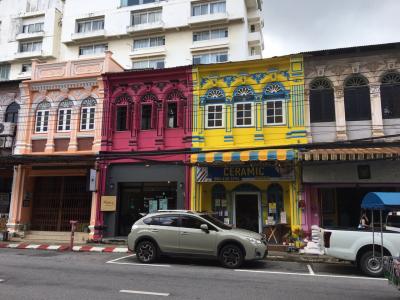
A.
pixel 163 33
pixel 140 33
pixel 29 29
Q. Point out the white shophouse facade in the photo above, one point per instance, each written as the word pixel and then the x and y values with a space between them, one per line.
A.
pixel 146 33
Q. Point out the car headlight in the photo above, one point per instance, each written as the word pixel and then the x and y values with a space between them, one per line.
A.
pixel 254 241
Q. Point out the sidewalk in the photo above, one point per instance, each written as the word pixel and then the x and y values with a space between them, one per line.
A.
pixel 117 248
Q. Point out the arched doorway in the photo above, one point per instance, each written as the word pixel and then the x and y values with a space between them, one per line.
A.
pixel 247 207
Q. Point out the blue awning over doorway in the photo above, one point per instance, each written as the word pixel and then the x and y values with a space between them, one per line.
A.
pixel 384 201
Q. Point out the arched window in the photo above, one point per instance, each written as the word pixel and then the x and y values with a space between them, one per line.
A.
pixel 357 99
pixel 88 109
pixel 275 204
pixel 122 103
pixel 148 110
pixel 64 115
pixel 175 109
pixel 12 113
pixel 274 95
pixel 214 110
pixel 322 101
pixel 42 117
pixel 390 95
pixel 244 106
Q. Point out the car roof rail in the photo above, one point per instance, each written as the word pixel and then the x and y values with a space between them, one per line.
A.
pixel 175 210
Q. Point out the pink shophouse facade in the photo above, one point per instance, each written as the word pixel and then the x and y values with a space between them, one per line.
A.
pixel 146 132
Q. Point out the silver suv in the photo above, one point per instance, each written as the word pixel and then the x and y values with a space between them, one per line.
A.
pixel 184 233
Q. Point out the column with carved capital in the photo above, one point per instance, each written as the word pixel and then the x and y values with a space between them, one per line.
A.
pixel 376 111
pixel 51 130
pixel 25 117
pixel 340 114
pixel 75 121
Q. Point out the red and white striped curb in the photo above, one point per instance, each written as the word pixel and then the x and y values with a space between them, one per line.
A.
pixel 84 248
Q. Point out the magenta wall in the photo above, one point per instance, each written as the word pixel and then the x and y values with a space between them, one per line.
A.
pixel 155 88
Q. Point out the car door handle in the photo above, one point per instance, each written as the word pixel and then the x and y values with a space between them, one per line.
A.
pixel 184 233
pixel 154 230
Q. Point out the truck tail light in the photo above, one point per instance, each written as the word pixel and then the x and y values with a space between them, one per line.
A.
pixel 327 239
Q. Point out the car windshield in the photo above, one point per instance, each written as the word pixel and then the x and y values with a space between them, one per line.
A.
pixel 216 222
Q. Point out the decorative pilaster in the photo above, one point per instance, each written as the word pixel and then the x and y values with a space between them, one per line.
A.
pixel 75 122
pixel 51 130
pixel 376 111
pixel 341 133
pixel 17 196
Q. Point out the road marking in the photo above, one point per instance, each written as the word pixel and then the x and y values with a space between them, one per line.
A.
pixel 310 270
pixel 144 293
pixel 313 275
pixel 1 280
pixel 117 259
pixel 116 262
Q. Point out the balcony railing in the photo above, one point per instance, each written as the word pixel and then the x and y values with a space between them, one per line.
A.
pixel 88 35
pixel 155 26
pixel 27 35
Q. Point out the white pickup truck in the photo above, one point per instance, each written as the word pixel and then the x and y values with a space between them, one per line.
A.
pixel 356 245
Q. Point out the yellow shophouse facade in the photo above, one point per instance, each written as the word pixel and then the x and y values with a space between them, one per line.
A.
pixel 246 115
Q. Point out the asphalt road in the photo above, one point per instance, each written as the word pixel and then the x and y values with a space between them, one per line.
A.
pixel 28 274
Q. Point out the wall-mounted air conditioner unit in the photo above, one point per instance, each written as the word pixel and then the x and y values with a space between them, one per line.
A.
pixel 7 129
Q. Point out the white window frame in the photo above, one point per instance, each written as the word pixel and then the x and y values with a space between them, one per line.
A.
pixel 135 15
pixel 210 55
pixel 206 116
pixel 150 63
pixel 208 10
pixel 89 121
pixel 149 41
pixel 31 47
pixel 44 118
pixel 283 112
pixel 92 47
pixel 32 28
pixel 64 123
pixel 91 27
pixel 236 111
pixel 209 33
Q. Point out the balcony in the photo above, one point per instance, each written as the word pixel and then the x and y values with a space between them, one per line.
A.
pixel 208 19
pixel 87 36
pixel 29 55
pixel 25 36
pixel 255 38
pixel 147 27
pixel 210 44
pixel 148 52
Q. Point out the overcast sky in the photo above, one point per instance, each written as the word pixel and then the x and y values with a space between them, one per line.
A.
pixel 292 26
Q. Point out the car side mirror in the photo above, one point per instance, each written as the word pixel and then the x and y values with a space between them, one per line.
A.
pixel 204 227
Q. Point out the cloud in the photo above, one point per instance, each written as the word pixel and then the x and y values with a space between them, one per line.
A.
pixel 305 25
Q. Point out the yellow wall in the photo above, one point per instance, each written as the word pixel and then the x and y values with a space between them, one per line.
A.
pixel 287 73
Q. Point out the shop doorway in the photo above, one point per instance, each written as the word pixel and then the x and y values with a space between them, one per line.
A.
pixel 140 198
pixel 57 200
pixel 247 211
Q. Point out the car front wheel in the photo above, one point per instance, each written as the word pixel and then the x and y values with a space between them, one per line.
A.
pixel 231 256
pixel 146 252
pixel 370 265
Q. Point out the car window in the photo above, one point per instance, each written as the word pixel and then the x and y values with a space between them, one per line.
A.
pixel 191 222
pixel 171 221
pixel 147 221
